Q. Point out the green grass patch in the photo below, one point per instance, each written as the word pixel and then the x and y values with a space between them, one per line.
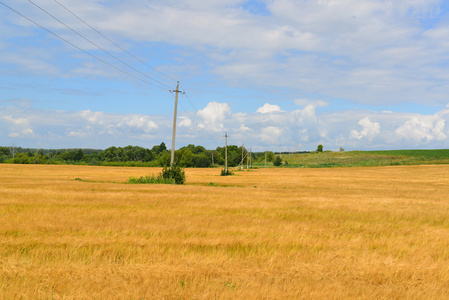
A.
pixel 329 159
pixel 151 179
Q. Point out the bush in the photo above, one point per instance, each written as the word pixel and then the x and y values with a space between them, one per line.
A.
pixel 277 161
pixel 150 179
pixel 225 172
pixel 175 173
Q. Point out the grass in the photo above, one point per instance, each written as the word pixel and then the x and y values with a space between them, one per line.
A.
pixel 151 179
pixel 330 159
pixel 327 233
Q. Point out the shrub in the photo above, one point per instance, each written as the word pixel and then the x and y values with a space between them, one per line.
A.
pixel 150 179
pixel 225 172
pixel 277 161
pixel 175 173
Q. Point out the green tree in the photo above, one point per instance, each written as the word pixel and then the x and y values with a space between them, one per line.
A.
pixel 176 173
pixel 270 156
pixel 277 161
pixel 201 160
pixel 164 159
pixel 157 150
pixel 4 151
pixel 184 158
pixel 234 155
pixel 319 148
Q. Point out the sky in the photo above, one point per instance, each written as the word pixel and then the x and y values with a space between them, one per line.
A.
pixel 272 74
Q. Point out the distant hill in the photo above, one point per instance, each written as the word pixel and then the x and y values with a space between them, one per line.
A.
pixel 366 158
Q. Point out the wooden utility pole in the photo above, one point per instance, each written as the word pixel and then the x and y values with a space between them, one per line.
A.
pixel 243 147
pixel 226 153
pixel 172 159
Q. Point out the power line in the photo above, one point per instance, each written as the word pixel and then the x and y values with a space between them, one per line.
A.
pixel 196 115
pixel 75 46
pixel 105 51
pixel 194 107
pixel 188 98
pixel 115 44
pixel 192 117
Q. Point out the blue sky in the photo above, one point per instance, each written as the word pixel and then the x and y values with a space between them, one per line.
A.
pixel 357 74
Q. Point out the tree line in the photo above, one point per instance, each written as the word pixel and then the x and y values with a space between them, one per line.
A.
pixel 158 156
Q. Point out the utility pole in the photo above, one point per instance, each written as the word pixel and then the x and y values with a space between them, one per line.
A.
pixel 226 153
pixel 243 146
pixel 172 160
pixel 12 149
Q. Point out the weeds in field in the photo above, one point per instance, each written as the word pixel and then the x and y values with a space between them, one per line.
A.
pixel 227 172
pixel 173 175
pixel 152 179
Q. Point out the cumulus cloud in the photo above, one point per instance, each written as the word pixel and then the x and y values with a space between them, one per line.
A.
pixel 370 130
pixel 268 108
pixel 185 122
pixel 92 117
pixel 423 129
pixel 214 114
pixel 270 134
pixel 18 126
pixel 139 122
pixel 377 130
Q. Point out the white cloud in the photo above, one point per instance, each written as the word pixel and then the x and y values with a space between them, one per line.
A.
pixel 214 114
pixel 370 130
pixel 78 134
pixel 372 52
pixel 268 108
pixel 18 127
pixel 307 102
pixel 139 122
pixel 244 128
pixel 423 129
pixel 367 51
pixel 64 129
pixel 92 117
pixel 185 122
pixel 271 134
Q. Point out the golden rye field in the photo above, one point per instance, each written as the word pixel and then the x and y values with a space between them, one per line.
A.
pixel 367 233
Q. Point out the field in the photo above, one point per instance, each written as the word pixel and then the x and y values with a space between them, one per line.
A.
pixel 365 158
pixel 81 232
